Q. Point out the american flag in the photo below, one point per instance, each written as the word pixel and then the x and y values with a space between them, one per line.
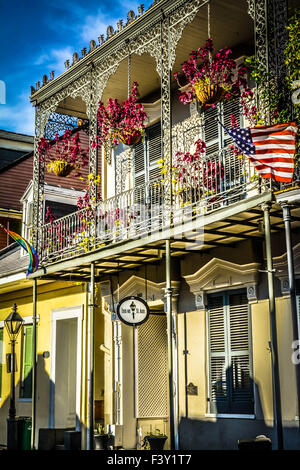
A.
pixel 271 149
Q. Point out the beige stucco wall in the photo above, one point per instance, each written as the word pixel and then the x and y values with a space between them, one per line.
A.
pixel 196 362
pixel 262 365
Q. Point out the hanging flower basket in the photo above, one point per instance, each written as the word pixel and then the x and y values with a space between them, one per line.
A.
pixel 121 122
pixel 212 78
pixel 209 93
pixel 130 137
pixel 60 168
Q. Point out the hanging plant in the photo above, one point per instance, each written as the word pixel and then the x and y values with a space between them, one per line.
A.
pixel 212 79
pixel 67 156
pixel 121 122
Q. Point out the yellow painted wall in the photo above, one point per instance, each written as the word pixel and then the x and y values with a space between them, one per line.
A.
pixel 286 366
pixel 262 365
pixel 51 296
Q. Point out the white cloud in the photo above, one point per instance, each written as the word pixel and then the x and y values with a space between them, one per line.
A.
pixel 55 59
pixel 18 117
pixel 97 24
pixel 94 25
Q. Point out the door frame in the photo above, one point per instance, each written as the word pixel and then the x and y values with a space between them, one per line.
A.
pixel 65 314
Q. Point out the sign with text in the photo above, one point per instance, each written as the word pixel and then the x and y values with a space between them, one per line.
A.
pixel 133 311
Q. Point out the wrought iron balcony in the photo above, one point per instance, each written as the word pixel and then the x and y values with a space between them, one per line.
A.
pixel 222 180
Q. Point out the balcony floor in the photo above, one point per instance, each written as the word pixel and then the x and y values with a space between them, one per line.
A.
pixel 222 227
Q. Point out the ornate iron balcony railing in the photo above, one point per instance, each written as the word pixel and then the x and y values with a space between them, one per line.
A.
pixel 222 179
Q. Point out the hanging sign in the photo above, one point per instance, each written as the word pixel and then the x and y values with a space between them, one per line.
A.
pixel 132 311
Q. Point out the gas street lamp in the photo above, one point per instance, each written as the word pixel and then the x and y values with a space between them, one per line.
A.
pixel 13 325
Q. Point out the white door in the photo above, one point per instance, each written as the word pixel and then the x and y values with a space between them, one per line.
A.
pixel 65 376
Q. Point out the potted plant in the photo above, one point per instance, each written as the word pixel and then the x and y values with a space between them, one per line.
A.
pixel 66 156
pixel 212 79
pixel 121 122
pixel 101 438
pixel 154 441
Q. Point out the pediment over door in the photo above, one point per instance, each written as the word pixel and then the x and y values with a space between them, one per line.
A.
pixel 219 274
pixel 281 268
pixel 137 286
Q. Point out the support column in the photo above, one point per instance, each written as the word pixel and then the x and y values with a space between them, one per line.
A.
pixel 273 330
pixel 91 361
pixel 34 363
pixel 170 332
pixel 291 272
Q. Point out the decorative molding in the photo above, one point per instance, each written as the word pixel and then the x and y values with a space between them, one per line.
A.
pixel 123 169
pixel 136 286
pixel 219 274
pixel 281 268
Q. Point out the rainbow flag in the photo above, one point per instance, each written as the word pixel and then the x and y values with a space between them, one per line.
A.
pixel 33 257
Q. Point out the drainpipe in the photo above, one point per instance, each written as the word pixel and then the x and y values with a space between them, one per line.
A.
pixel 34 365
pixel 91 361
pixel 169 292
pixel 273 330
pixel 291 272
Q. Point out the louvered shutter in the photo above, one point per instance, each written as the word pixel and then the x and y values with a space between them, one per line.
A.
pixel 146 155
pixel 1 359
pixel 239 350
pixel 139 163
pixel 154 151
pixel 231 388
pixel 233 166
pixel 218 365
pixel 26 386
pixel 231 107
pixel 212 130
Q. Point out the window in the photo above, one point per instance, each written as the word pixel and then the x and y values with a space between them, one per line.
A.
pixel 59 209
pixel 26 378
pixel 230 365
pixel 1 359
pixel 147 153
pixel 214 135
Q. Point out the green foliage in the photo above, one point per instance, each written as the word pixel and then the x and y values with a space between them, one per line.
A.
pixel 279 110
pixel 292 51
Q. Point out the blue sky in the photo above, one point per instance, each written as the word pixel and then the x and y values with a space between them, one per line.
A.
pixel 38 36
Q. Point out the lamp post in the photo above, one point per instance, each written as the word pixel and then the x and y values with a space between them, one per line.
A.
pixel 13 325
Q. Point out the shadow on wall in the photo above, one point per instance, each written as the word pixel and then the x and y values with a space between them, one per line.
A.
pixel 217 433
pixel 43 409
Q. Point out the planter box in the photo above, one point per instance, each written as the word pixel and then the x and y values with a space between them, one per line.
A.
pixel 156 442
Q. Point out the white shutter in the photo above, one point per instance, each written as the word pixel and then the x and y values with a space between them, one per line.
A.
pixel 139 163
pixel 218 363
pixel 146 155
